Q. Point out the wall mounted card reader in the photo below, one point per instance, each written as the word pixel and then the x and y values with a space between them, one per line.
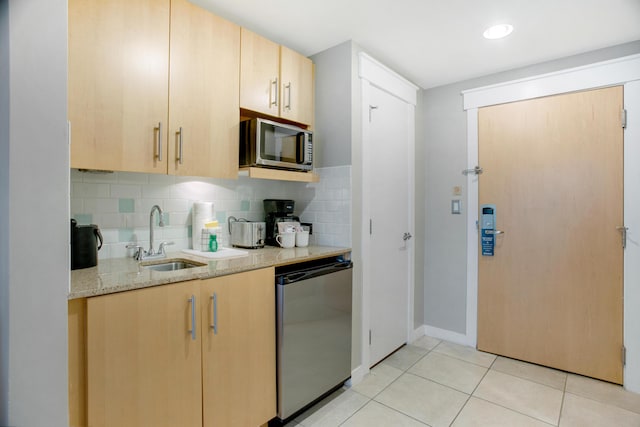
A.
pixel 488 228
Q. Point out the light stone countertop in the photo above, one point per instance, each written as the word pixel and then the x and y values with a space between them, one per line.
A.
pixel 125 274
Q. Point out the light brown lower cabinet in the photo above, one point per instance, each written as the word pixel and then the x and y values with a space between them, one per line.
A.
pixel 198 353
pixel 239 349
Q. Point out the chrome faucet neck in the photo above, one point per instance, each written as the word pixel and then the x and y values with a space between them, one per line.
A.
pixel 155 208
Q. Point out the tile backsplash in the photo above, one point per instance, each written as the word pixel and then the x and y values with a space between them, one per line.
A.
pixel 120 202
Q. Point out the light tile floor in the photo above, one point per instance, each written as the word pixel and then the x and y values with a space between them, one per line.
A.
pixel 437 383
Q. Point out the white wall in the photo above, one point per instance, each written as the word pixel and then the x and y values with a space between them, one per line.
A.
pixel 34 364
pixel 632 252
pixel 4 207
pixel 333 121
pixel 338 138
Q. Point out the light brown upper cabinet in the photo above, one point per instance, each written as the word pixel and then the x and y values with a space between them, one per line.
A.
pixel 153 87
pixel 275 80
pixel 203 93
pixel 118 74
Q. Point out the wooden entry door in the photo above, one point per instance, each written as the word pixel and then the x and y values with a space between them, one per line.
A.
pixel 552 293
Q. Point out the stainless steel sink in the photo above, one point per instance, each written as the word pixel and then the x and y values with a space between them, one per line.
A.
pixel 171 265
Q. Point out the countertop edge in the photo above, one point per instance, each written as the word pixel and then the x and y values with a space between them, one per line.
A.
pixel 121 275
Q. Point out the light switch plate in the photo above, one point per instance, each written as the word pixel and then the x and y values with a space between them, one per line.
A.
pixel 456 207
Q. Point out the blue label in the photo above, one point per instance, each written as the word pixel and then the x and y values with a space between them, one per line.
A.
pixel 487 242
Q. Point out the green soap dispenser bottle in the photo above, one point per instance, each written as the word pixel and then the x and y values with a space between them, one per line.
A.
pixel 213 242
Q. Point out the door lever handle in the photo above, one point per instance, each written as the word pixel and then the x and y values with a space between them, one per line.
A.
pixel 495 232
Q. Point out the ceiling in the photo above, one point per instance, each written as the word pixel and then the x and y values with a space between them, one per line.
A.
pixel 435 42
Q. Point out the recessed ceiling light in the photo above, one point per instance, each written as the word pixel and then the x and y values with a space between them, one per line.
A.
pixel 497 31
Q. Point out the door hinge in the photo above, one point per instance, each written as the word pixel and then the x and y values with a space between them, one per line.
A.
pixel 371 108
pixel 624 356
pixel 623 231
pixel 369 336
pixel 370 226
pixel 624 118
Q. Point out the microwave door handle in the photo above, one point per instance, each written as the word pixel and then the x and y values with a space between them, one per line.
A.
pixel 300 148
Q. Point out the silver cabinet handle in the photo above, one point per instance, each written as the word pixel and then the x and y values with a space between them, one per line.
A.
pixel 179 159
pixel 288 87
pixel 192 301
pixel 214 313
pixel 159 156
pixel 274 83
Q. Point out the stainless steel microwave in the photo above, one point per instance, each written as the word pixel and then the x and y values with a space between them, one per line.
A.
pixel 267 143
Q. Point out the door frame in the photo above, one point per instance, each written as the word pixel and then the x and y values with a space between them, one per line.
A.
pixel 373 73
pixel 621 71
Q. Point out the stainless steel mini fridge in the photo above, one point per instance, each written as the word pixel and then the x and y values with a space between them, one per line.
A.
pixel 313 331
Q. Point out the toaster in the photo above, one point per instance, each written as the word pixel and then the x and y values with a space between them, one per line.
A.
pixel 246 234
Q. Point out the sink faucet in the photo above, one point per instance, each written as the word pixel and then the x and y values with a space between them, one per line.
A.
pixel 140 254
pixel 155 208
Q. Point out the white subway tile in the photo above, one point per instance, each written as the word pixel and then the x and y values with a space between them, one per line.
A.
pixel 75 175
pixel 132 178
pixel 324 240
pixel 180 219
pixel 104 252
pixel 176 205
pixel 89 190
pixel 143 206
pixel 139 220
pixel 109 220
pixel 163 180
pixel 129 220
pixel 76 206
pixel 140 235
pixel 98 206
pixel 308 217
pixel 171 233
pixel 109 235
pixel 155 191
pixel 119 250
pixel 128 191
pixel 99 177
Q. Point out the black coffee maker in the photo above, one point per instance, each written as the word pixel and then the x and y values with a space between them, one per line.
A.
pixel 275 211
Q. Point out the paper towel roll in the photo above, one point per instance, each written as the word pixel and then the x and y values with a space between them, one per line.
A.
pixel 201 213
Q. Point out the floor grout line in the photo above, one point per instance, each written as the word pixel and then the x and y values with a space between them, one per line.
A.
pixel 492 367
pixel 513 410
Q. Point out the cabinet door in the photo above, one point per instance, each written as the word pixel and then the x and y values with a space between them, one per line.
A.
pixel 239 355
pixel 143 365
pixel 296 72
pixel 204 89
pixel 259 72
pixel 118 74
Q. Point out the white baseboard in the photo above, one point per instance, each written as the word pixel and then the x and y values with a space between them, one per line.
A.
pixel 417 333
pixel 356 376
pixel 444 334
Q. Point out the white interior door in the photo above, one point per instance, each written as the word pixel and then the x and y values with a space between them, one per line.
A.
pixel 389 182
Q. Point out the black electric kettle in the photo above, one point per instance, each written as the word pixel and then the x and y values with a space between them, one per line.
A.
pixel 84 245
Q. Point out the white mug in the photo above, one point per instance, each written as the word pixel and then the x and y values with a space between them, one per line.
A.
pixel 302 239
pixel 286 240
